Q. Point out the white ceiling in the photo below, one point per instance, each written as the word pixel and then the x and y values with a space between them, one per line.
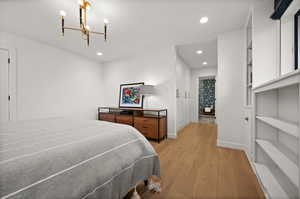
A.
pixel 135 25
pixel 209 54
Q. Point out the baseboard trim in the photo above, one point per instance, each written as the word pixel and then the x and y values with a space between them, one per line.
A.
pixel 250 160
pixel 172 136
pixel 232 145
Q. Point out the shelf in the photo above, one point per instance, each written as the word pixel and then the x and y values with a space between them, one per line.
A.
pixel 286 127
pixel 289 168
pixel 269 182
pixel 283 81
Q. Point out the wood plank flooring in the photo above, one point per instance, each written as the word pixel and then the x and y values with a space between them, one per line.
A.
pixel 194 168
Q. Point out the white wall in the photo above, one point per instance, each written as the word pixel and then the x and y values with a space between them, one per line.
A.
pixel 266 45
pixel 183 101
pixel 230 93
pixel 154 67
pixel 196 74
pixel 51 82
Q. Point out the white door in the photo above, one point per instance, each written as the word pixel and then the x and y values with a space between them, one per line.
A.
pixel 4 86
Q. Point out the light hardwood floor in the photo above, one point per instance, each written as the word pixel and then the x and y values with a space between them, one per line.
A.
pixel 194 168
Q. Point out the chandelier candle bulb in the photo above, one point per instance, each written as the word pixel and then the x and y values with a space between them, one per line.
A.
pixel 80 16
pixel 105 32
pixel 63 25
pixel 62 14
pixel 88 6
pixel 105 29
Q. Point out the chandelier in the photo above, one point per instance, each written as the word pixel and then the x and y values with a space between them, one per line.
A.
pixel 85 30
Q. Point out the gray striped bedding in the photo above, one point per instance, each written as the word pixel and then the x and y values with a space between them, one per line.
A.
pixel 65 158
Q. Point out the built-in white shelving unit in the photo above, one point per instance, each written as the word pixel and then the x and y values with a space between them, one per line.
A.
pixel 270 182
pixel 276 136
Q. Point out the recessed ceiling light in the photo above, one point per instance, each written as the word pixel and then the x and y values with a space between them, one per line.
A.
pixel 204 20
pixel 204 63
pixel 199 52
pixel 99 53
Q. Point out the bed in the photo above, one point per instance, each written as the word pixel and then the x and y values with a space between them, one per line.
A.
pixel 66 158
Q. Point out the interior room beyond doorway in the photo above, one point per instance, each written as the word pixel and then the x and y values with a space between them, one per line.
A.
pixel 207 99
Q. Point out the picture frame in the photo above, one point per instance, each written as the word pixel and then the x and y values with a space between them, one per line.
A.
pixel 130 97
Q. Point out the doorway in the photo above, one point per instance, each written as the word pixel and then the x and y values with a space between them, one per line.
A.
pixel 5 114
pixel 207 99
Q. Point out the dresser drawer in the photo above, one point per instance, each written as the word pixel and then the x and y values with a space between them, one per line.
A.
pixel 124 119
pixel 109 117
pixel 146 121
pixel 149 131
pixel 147 126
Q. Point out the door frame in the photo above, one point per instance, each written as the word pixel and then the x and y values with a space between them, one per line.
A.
pixel 197 94
pixel 12 81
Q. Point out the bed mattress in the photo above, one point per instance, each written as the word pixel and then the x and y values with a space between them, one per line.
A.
pixel 66 158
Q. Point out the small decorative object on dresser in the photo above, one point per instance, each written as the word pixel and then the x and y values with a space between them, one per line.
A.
pixel 130 96
pixel 152 123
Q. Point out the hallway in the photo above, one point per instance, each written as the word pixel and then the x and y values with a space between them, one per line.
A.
pixel 194 168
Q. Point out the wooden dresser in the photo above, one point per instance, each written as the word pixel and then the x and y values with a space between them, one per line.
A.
pixel 152 123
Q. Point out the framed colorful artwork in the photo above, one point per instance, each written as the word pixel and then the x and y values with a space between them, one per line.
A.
pixel 130 96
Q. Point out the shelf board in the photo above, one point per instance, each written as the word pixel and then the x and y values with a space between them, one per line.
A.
pixel 291 129
pixel 288 167
pixel 281 82
pixel 269 182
